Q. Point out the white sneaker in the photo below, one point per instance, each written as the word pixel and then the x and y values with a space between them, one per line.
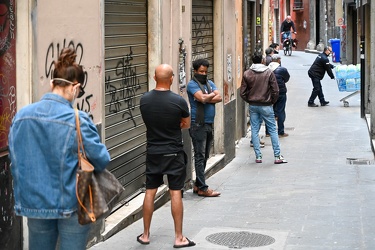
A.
pixel 280 160
pixel 261 144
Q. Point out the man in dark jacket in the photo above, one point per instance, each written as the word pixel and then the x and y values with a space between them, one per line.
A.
pixel 260 90
pixel 282 77
pixel 286 25
pixel 316 72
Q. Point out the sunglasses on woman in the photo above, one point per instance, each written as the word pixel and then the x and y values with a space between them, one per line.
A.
pixel 81 90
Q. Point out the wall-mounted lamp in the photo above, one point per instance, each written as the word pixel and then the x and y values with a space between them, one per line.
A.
pixel 304 24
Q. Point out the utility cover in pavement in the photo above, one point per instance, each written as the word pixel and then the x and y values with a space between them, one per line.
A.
pixel 240 239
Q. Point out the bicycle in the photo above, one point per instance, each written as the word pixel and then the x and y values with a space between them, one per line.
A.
pixel 288 43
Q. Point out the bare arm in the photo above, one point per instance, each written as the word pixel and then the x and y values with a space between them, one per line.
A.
pixel 185 122
pixel 204 98
pixel 217 98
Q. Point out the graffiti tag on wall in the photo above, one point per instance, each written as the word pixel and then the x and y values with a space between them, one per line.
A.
pixel 7 68
pixel 125 93
pixel 182 66
pixel 228 84
pixel 52 55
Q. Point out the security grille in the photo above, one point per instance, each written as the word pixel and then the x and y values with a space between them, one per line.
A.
pixel 202 33
pixel 125 82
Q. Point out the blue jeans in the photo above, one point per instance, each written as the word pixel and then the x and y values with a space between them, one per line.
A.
pixel 317 90
pixel 202 138
pixel 279 109
pixel 43 234
pixel 286 35
pixel 257 114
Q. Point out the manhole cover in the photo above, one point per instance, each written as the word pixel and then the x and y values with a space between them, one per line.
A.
pixel 240 239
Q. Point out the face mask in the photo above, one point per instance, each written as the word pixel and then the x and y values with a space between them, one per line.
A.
pixel 201 78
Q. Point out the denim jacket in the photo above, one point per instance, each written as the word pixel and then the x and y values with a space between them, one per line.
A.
pixel 43 153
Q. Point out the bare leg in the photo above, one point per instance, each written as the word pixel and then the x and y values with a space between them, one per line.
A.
pixel 148 210
pixel 177 209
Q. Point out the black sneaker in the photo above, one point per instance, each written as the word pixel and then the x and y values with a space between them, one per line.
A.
pixel 312 105
pixel 325 103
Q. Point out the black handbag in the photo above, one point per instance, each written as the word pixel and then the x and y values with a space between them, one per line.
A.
pixel 97 192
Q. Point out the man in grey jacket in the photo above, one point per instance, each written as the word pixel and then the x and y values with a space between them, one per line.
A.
pixel 260 90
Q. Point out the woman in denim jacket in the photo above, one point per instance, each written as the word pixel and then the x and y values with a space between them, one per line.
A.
pixel 43 152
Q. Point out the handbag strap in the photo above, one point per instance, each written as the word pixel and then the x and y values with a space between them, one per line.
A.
pixel 81 148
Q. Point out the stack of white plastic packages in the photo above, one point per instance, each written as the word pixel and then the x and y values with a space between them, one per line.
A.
pixel 348 77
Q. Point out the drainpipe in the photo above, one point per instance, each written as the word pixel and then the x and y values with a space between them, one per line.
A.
pixel 362 55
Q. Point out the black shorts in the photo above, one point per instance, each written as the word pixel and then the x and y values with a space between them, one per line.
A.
pixel 173 165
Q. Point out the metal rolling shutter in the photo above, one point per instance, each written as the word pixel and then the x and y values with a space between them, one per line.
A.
pixel 125 82
pixel 248 36
pixel 202 35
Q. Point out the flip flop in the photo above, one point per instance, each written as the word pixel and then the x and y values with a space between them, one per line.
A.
pixel 141 241
pixel 189 244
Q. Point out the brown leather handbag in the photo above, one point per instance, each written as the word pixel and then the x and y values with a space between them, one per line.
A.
pixel 97 192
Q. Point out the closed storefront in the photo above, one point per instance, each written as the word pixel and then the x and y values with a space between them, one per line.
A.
pixel 202 32
pixel 125 83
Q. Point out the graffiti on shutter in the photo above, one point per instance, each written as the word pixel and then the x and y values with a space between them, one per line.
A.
pixel 125 83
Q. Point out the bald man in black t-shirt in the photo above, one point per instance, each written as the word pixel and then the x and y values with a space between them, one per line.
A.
pixel 165 113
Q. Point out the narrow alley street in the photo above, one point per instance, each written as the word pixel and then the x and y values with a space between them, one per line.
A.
pixel 322 199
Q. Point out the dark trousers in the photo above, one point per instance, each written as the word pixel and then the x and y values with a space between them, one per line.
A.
pixel 279 110
pixel 317 90
pixel 202 138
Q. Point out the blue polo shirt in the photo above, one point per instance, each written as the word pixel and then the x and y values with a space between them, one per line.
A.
pixel 209 108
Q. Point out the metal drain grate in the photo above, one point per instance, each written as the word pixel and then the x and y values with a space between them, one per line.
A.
pixel 240 239
pixel 358 161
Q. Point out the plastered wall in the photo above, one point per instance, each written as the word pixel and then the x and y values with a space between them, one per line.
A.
pixel 75 24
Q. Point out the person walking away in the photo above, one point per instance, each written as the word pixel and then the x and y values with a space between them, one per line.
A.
pixel 282 77
pixel 203 95
pixel 44 160
pixel 260 90
pixel 316 72
pixel 286 25
pixel 164 113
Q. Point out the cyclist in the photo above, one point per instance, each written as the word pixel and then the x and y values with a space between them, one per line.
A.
pixel 285 28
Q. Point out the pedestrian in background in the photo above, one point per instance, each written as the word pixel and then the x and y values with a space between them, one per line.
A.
pixel 165 113
pixel 269 53
pixel 260 90
pixel 43 152
pixel 275 47
pixel 203 95
pixel 282 77
pixel 316 72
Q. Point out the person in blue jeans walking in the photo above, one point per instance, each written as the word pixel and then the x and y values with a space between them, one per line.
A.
pixel 44 160
pixel 260 90
pixel 203 95
pixel 282 77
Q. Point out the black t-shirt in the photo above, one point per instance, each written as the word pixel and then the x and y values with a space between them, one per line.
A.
pixel 162 112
